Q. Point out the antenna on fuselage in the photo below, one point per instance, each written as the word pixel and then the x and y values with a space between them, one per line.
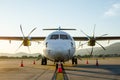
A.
pixel 59 28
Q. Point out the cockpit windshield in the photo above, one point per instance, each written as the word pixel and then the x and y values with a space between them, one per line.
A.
pixel 62 36
pixel 55 36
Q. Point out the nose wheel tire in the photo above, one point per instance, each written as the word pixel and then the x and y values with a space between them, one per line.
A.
pixel 74 60
pixel 44 61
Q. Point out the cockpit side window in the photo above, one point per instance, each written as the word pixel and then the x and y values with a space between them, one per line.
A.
pixel 54 36
pixel 69 37
pixel 62 36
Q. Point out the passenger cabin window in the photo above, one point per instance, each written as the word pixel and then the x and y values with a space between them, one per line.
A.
pixel 62 36
pixel 54 36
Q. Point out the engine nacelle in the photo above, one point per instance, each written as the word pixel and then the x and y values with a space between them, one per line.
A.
pixel 91 42
pixel 26 42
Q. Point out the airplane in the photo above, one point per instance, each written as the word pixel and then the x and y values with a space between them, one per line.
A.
pixel 58 46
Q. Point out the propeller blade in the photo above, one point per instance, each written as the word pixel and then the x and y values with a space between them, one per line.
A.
pixel 91 51
pixel 79 57
pixel 31 31
pixel 22 31
pixel 82 45
pixel 39 57
pixel 100 45
pixel 19 47
pixel 88 51
pixel 102 36
pixel 79 45
pixel 85 34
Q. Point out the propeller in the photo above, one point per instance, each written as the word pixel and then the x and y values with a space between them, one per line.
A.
pixel 92 40
pixel 81 45
pixel 26 39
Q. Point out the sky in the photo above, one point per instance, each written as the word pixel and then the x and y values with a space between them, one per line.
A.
pixel 78 14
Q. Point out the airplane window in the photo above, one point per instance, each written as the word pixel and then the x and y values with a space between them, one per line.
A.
pixel 54 36
pixel 69 37
pixel 62 36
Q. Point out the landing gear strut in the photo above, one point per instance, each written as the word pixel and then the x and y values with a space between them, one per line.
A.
pixel 44 61
pixel 59 64
pixel 74 60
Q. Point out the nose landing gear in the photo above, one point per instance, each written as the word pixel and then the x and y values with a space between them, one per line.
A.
pixel 44 61
pixel 74 60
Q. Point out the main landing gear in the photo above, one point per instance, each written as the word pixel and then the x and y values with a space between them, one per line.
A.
pixel 44 61
pixel 74 60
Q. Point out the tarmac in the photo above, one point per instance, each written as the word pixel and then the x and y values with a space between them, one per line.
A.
pixel 107 69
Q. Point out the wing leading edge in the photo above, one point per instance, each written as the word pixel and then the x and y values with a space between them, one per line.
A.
pixel 43 38
pixel 97 38
pixel 21 38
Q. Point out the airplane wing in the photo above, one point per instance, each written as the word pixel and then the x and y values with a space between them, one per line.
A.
pixel 97 38
pixel 21 38
pixel 43 38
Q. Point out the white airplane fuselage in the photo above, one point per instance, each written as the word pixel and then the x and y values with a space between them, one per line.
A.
pixel 59 46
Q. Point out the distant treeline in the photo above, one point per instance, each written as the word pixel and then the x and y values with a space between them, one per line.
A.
pixel 39 57
pixel 101 55
pixel 22 57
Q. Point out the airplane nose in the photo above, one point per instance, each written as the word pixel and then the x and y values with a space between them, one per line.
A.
pixel 60 53
pixel 59 50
